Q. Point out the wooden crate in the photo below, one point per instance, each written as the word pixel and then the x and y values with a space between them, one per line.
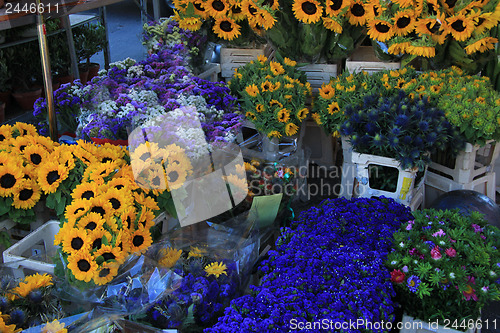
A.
pixel 364 59
pixel 319 74
pixel 230 59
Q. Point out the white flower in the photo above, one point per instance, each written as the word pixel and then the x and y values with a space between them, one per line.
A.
pixel 415 261
pixel 485 289
pixel 394 262
pixel 401 244
pixel 493 273
pixel 442 243
pixel 452 275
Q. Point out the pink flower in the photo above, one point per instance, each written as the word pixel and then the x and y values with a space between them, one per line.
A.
pixel 483 237
pixel 439 233
pixel 476 228
pixel 452 240
pixel 451 252
pixel 397 276
pixel 435 254
pixel 405 269
pixel 409 226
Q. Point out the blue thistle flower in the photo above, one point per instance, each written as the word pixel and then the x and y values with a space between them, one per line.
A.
pixel 401 120
pixel 431 137
pixel 17 317
pixel 35 296
pixel 4 304
pixel 378 140
pixel 423 125
pixel 393 141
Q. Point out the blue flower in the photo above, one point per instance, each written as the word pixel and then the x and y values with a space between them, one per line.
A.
pixel 413 283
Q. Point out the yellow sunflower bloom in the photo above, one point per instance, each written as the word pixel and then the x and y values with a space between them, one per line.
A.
pixel 289 62
pixel 276 68
pixel 106 273
pixel 357 13
pixel 26 194
pixel 333 108
pixel 302 114
pixel 10 178
pixel 51 175
pixel 283 115
pixel 274 134
pixel 91 221
pixel 82 266
pixel 108 252
pixel 307 11
pixel 140 240
pixel 54 327
pixel 252 90
pixel 291 129
pixel 327 91
pixel 75 240
pixel 97 236
pixel 226 28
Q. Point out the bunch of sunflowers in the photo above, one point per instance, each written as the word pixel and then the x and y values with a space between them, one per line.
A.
pixel 274 95
pixel 108 218
pixel 445 30
pixel 27 170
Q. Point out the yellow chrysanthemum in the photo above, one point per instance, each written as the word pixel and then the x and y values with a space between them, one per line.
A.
pixel 169 257
pixel 216 268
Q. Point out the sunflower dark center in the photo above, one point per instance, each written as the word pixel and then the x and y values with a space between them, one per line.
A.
pixel 129 222
pixel 78 210
pixel 309 8
pixel 115 203
pixel 432 27
pixel 451 3
pixel 173 176
pixel 2 137
pixel 199 7
pixel 157 181
pixel 106 159
pixel 358 10
pixel 83 265
pixel 91 225
pixel 97 243
pixel 480 21
pixel 104 272
pixel 403 22
pixel 226 26
pixel 252 10
pixel 108 256
pixel 138 240
pixel 119 187
pixel 336 4
pixel 145 156
pixel 76 243
pixel 52 177
pixel 25 194
pixel 382 28
pixel 35 158
pixel 236 10
pixel 218 5
pixel 88 194
pixel 7 181
pixel 98 210
pixel 21 148
pixel 458 25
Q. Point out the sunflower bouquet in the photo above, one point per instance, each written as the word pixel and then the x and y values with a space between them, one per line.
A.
pixel 273 94
pixel 24 179
pixel 447 32
pixel 28 302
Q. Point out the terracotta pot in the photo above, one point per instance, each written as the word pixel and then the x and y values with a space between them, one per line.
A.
pixel 5 97
pixel 2 112
pixel 26 99
pixel 65 79
pixel 83 71
pixel 93 70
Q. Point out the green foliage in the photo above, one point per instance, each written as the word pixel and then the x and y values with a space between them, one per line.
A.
pixel 89 40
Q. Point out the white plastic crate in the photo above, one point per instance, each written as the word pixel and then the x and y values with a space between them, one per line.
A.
pixel 319 74
pixel 210 72
pixel 230 59
pixel 412 325
pixel 38 244
pixel 437 185
pixel 474 161
pixel 405 188
pixel 323 147
pixel 364 59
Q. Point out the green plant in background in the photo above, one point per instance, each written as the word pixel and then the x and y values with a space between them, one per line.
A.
pixel 89 40
pixel 446 265
pixel 26 67
pixel 5 74
pixel 273 95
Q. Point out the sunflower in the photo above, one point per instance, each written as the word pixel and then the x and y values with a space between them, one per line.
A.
pixel 101 206
pixel 21 142
pixel 91 221
pixel 108 252
pixel 226 28
pixel 273 4
pixel 327 91
pixel 196 252
pixel 118 199
pixel 217 8
pixel 260 108
pixel 76 209
pixel 404 3
pixel 121 183
pixel 485 21
pixel 97 172
pixel 302 114
pixel 82 266
pixel 274 103
pixel 27 194
pixel 128 218
pixel 422 50
pixel 199 8
pixel 24 129
pixel 190 23
pixel 238 187
pixel 404 22
pixel 83 155
pixel 5 133
pixel 106 273
pixel 380 30
pixel 332 24
pixel 398 48
pixel 235 11
pixel 283 115
pixel 289 62
pixel 66 158
pixel 317 118
pixel 51 175
pixel 307 11
pixel 334 7
pixel 459 26
pixel 85 190
pixel 276 68
pixel 28 284
pixel 274 134
pixel 146 201
pixel 4 328
pixel 108 155
pixel 176 176
pixel 140 240
pixel 47 143
pixel 291 129
pixel 168 257
pixel 75 240
pixel 252 90
pixel 250 9
pixel 98 237
pixel 481 45
pixel 357 13
pixel 216 269
pixel 35 154
pixel 10 177
pixel 54 327
pixel 266 86
pixel 333 108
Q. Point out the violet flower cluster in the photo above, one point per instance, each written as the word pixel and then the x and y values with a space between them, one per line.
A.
pixel 328 267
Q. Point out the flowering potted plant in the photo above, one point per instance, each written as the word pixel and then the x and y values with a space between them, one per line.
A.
pixel 445 266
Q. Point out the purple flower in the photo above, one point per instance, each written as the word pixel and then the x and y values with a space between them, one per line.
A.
pixel 413 283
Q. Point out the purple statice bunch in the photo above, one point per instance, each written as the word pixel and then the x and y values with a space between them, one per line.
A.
pixel 328 267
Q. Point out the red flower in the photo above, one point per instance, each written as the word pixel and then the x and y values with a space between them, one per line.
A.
pixel 451 252
pixel 435 254
pixel 397 276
